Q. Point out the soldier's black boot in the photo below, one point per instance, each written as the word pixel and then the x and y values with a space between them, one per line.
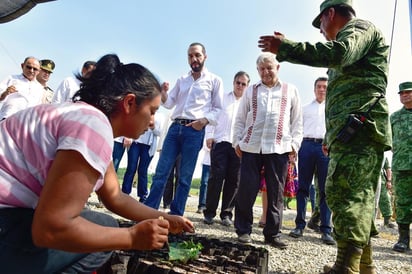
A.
pixel 403 243
pixel 347 260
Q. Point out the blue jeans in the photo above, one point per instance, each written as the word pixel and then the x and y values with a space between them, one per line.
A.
pixel 311 160
pixel 179 140
pixel 138 158
pixel 20 255
pixel 118 151
pixel 203 185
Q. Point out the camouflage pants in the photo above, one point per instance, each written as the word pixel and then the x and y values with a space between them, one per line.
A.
pixel 403 196
pixel 353 175
pixel 385 204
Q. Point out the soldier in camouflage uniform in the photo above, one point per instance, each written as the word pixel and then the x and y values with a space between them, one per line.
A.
pixel 385 203
pixel 401 122
pixel 356 55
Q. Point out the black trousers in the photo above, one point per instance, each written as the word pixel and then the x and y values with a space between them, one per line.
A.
pixel 276 166
pixel 224 177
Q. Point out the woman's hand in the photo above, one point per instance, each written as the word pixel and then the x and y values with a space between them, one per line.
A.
pixel 178 224
pixel 149 234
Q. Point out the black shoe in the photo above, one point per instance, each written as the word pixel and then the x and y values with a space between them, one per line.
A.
pixel 276 242
pixel 208 220
pixel 327 239
pixel 314 226
pixel 296 233
pixel 400 247
pixel 200 209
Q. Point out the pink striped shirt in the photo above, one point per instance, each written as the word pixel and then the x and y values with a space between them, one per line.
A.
pixel 30 139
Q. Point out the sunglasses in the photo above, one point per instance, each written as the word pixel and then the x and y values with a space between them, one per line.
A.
pixel 31 68
pixel 240 83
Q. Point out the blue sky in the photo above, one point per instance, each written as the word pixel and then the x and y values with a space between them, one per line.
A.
pixel 156 34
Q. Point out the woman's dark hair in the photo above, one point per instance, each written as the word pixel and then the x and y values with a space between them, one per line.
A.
pixel 111 81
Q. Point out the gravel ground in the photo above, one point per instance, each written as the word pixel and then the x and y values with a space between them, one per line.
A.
pixel 304 255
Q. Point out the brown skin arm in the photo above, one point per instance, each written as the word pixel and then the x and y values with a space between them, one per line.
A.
pixel 271 43
pixel 57 223
pixel 124 205
pixel 389 179
pixel 325 150
pixel 209 143
pixel 163 92
pixel 238 151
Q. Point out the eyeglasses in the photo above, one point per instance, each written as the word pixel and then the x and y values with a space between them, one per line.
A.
pixel 240 83
pixel 31 68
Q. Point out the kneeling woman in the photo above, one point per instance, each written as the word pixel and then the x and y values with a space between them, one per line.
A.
pixel 53 156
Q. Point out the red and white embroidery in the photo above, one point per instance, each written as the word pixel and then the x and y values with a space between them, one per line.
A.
pixel 283 104
pixel 254 111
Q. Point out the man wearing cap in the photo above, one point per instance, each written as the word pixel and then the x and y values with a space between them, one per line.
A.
pixel 357 122
pixel 401 122
pixel 20 91
pixel 46 68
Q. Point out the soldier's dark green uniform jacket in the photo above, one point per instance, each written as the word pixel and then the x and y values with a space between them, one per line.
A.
pixel 401 122
pixel 357 62
pixel 358 68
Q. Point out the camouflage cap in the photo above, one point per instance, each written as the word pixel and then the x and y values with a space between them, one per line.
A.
pixel 405 86
pixel 47 65
pixel 327 4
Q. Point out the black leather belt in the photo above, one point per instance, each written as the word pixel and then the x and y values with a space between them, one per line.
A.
pixel 183 122
pixel 316 140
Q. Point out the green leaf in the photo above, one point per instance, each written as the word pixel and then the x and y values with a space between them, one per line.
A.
pixel 184 251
